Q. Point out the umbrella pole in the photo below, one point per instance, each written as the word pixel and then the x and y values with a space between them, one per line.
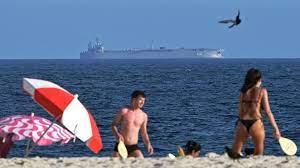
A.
pixel 27 147
pixel 30 149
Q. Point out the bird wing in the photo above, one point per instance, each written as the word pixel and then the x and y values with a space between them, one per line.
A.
pixel 238 16
pixel 231 26
pixel 227 21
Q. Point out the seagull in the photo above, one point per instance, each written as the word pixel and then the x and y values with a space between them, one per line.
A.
pixel 235 22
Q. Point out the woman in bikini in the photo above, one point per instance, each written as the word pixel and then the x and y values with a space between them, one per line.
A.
pixel 252 99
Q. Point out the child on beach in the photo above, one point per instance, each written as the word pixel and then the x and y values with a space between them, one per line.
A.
pixel 131 120
pixel 191 148
pixel 252 98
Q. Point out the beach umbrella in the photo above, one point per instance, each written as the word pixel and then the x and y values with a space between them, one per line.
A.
pixel 67 109
pixel 33 127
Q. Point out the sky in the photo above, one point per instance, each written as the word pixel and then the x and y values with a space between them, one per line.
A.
pixel 61 29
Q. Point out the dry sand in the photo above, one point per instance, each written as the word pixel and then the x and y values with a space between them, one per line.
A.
pixel 210 160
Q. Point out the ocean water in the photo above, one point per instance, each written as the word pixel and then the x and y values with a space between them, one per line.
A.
pixel 186 99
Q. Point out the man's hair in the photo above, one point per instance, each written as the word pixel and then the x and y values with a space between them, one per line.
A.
pixel 138 93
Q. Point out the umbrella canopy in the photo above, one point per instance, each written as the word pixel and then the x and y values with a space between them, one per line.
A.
pixel 26 127
pixel 66 108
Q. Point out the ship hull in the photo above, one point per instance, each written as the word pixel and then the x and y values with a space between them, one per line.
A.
pixel 153 54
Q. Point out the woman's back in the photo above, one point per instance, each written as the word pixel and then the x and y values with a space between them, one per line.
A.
pixel 250 103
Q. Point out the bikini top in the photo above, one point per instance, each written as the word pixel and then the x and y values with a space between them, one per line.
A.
pixel 256 101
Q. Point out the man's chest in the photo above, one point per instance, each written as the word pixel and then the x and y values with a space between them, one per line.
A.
pixel 133 119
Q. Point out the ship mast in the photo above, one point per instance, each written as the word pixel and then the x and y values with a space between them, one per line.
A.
pixel 151 45
pixel 90 46
pixel 99 46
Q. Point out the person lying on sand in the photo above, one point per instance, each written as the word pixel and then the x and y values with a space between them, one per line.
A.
pixel 252 98
pixel 131 120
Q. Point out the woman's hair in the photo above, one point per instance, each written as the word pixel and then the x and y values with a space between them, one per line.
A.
pixel 252 77
pixel 190 146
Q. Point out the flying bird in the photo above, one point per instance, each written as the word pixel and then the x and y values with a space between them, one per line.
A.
pixel 235 22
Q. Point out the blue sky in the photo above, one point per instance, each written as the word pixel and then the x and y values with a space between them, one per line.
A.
pixel 62 28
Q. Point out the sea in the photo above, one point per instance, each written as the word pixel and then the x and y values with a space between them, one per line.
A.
pixel 187 99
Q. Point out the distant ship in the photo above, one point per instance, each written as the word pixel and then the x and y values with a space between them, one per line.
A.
pixel 97 51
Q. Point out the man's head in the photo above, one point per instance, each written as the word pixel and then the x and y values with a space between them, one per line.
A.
pixel 138 98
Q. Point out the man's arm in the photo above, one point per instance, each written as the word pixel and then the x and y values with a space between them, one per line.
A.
pixel 145 136
pixel 114 126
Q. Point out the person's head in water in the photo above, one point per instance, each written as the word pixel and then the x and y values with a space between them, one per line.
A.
pixel 138 98
pixel 192 148
pixel 252 78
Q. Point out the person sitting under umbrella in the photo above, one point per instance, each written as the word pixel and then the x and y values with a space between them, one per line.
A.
pixel 6 143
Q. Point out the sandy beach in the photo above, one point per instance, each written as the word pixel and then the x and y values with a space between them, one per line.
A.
pixel 210 160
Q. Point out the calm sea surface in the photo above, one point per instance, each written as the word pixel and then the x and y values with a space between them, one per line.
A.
pixel 187 99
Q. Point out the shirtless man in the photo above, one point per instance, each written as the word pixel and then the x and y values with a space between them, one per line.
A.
pixel 131 120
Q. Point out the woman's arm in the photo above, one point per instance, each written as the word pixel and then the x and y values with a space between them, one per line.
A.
pixel 240 107
pixel 267 109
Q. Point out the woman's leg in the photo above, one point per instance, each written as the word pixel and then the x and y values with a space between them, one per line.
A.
pixel 257 132
pixel 241 136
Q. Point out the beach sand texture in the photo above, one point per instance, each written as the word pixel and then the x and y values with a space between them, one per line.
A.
pixel 210 160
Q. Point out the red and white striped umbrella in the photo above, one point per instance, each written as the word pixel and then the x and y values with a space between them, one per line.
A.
pixel 67 109
pixel 25 127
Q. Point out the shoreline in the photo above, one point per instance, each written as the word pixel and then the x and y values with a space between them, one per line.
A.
pixel 209 160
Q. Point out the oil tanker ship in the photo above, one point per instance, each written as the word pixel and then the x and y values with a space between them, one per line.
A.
pixel 97 51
